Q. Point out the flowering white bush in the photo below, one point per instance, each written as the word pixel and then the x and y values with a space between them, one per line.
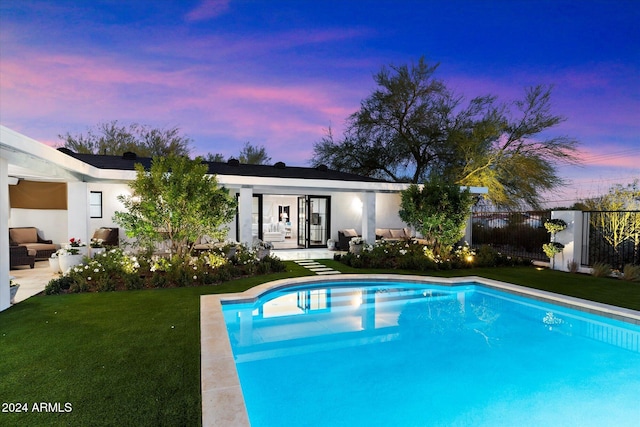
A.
pixel 117 269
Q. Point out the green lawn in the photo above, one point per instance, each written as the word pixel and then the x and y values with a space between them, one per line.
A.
pixel 133 358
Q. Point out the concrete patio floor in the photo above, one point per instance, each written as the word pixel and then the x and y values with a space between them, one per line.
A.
pixel 32 281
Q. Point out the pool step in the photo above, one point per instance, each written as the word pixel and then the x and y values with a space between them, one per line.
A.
pixel 316 267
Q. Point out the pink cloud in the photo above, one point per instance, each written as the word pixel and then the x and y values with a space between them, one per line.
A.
pixel 72 93
pixel 232 51
pixel 208 9
pixel 619 157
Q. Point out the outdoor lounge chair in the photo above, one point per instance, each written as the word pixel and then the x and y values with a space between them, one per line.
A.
pixel 109 236
pixel 345 236
pixel 20 255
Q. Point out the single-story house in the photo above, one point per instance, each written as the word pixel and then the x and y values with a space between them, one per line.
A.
pixel 71 195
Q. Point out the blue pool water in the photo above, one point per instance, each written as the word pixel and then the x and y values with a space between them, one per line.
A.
pixel 406 354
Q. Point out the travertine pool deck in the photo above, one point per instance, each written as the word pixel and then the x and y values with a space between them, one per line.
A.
pixel 222 400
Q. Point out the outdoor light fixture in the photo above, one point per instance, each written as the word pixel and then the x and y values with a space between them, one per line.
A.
pixel 356 205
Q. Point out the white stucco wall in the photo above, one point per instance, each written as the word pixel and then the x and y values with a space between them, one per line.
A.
pixel 387 207
pixel 110 205
pixel 346 212
pixel 51 223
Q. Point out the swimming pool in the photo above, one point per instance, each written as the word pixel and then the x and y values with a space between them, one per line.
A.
pixel 416 353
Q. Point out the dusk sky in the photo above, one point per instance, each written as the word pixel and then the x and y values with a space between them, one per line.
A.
pixel 279 73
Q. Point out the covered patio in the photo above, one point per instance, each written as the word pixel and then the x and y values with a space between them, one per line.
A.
pixel 23 158
pixel 356 202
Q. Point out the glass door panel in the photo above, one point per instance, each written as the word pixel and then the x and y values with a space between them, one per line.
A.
pixel 319 220
pixel 302 222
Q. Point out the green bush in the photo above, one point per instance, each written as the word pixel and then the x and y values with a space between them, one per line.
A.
pixel 600 269
pixel 59 285
pixel 486 256
pixel 552 248
pixel 409 256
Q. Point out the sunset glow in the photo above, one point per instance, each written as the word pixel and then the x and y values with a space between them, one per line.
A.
pixel 279 74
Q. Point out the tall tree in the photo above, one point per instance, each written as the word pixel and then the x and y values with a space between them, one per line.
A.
pixel 413 127
pixel 618 220
pixel 214 157
pixel 249 154
pixel 254 155
pixel 177 201
pixel 114 139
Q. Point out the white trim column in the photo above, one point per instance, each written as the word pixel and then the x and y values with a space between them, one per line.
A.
pixel 78 211
pixel 245 207
pixel 369 217
pixel 570 237
pixel 5 297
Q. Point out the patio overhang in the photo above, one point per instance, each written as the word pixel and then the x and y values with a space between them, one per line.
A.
pixel 23 158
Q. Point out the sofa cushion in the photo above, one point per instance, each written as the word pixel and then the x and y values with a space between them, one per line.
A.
pixel 102 233
pixel 23 235
pixel 397 233
pixel 40 246
pixel 384 233
pixel 349 232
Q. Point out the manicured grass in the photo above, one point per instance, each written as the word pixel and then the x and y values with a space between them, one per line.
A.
pixel 133 358
pixel 120 358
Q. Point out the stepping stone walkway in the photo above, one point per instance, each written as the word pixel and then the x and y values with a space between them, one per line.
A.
pixel 316 267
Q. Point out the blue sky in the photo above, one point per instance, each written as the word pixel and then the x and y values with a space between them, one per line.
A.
pixel 279 73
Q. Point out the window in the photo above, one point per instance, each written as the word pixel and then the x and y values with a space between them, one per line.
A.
pixel 95 204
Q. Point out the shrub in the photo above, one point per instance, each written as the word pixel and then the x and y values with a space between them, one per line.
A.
pixel 112 270
pixel 56 286
pixel 600 269
pixel 631 273
pixel 551 249
pixel 555 225
pixel 486 256
pixel 271 264
pixel 119 270
pixel 409 256
pixel 438 210
pixel 573 266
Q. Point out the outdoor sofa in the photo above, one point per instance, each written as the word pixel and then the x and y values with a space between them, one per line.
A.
pixel 28 237
pixel 388 234
pixel 206 243
pixel 393 234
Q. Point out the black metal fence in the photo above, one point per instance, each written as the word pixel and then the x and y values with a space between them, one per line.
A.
pixel 611 237
pixel 518 234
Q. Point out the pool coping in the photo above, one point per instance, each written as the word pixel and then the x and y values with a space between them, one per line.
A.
pixel 222 399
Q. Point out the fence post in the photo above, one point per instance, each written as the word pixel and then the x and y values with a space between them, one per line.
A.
pixel 571 238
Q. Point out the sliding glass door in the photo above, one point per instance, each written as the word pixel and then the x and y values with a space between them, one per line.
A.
pixel 314 221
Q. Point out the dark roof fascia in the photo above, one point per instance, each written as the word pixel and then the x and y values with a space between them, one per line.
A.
pixel 101 161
